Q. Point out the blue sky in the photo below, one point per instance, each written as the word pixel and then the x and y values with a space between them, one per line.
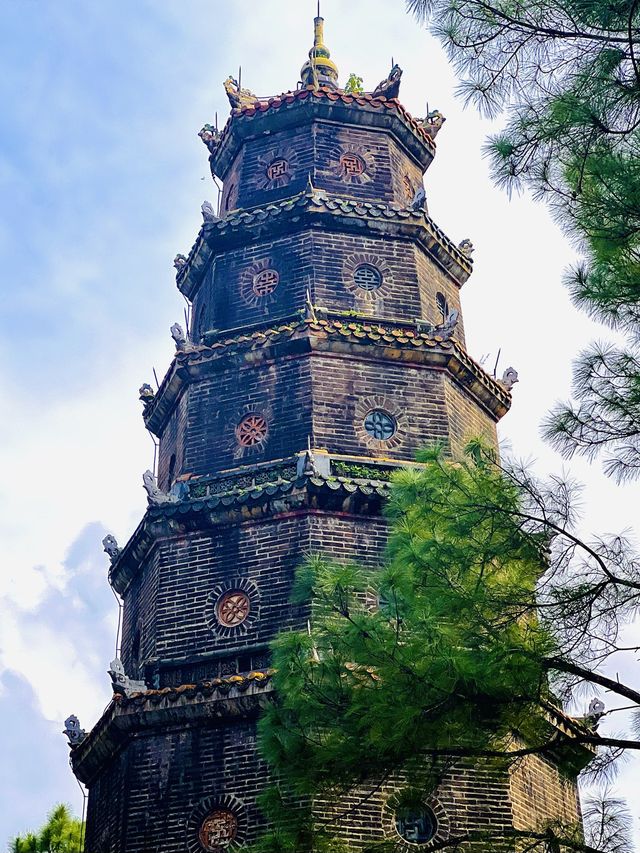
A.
pixel 100 185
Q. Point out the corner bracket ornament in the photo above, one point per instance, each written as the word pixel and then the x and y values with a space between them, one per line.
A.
pixel 210 135
pixel 120 681
pixel 509 378
pixel 155 495
pixel 179 491
pixel 420 200
pixel 390 86
pixel 179 262
pixel 180 338
pixel 447 328
pixel 238 97
pixel 75 734
pixel 313 465
pixel 110 545
pixel 595 713
pixel 444 330
pixel 146 393
pixel 466 247
pixel 432 124
pixel 208 213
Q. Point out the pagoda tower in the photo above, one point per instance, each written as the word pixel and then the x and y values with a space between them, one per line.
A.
pixel 326 345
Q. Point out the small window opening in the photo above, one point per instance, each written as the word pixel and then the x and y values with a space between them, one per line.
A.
pixel 172 470
pixel 229 201
pixel 135 652
pixel 442 305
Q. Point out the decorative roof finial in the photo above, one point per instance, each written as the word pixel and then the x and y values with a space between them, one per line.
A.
pixel 319 70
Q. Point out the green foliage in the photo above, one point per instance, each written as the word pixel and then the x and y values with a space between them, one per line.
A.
pixel 435 656
pixel 363 472
pixel 62 833
pixel 354 85
pixel 567 75
pixel 444 653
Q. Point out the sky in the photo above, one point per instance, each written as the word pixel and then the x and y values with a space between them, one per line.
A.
pixel 102 176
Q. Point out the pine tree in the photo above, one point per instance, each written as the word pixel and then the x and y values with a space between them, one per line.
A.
pixel 567 74
pixel 62 833
pixel 488 610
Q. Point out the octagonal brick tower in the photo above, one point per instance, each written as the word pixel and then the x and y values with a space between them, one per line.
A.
pixel 326 346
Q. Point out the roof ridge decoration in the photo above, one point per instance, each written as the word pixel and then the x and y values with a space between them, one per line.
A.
pixel 247 107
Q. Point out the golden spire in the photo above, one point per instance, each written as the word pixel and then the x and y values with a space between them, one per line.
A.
pixel 319 70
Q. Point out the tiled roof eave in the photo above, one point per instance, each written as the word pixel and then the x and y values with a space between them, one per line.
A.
pixel 167 519
pixel 293 108
pixel 232 696
pixel 319 209
pixel 400 341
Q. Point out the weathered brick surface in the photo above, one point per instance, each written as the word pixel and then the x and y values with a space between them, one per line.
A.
pixel 322 263
pixel 466 419
pixel 171 605
pixel 145 798
pixel 314 150
pixel 540 792
pixel 324 397
pixel 467 799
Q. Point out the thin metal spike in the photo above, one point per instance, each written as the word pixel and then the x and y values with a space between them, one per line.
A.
pixel 495 367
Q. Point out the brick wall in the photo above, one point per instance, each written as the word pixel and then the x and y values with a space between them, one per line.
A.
pixel 315 150
pixel 541 793
pixel 139 616
pixel 344 391
pixel 467 799
pixel 291 152
pixel 325 396
pixel 152 792
pixel 280 392
pixel 466 419
pixel 171 602
pixel 432 280
pixel 172 445
pixel 324 262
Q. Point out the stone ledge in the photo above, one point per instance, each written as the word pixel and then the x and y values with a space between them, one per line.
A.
pixel 314 208
pixel 191 704
pixel 357 336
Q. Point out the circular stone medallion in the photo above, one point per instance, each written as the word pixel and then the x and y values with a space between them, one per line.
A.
pixel 218 830
pixel 251 430
pixel 265 282
pixel 233 608
pixel 278 168
pixel 418 827
pixel 367 277
pixel 379 424
pixel 352 164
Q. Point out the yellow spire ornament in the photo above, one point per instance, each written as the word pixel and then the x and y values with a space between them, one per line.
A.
pixel 319 70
